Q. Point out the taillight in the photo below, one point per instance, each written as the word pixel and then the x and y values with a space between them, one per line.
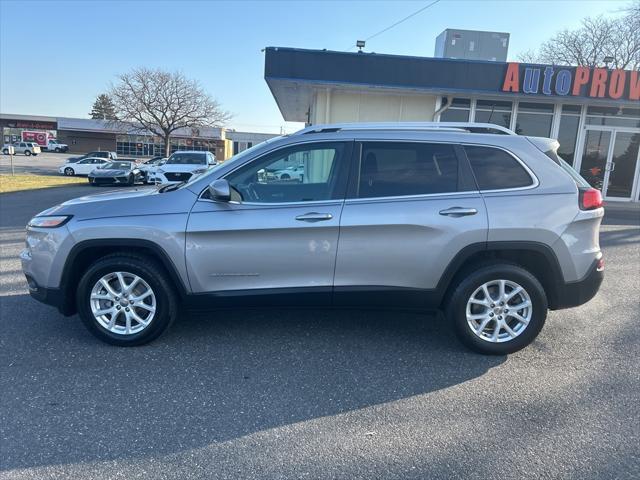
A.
pixel 590 198
pixel 600 266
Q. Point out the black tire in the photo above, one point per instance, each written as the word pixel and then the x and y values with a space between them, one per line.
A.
pixel 132 179
pixel 473 279
pixel 57 150
pixel 285 176
pixel 27 153
pixel 152 273
pixel 69 172
pixel 5 151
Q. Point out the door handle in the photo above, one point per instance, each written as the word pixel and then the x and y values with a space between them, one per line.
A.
pixel 458 212
pixel 314 217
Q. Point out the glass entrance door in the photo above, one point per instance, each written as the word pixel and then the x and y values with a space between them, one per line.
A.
pixel 610 161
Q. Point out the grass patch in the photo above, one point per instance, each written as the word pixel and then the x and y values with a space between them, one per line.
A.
pixel 9 183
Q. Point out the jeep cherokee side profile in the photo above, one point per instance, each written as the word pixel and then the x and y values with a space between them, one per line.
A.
pixel 492 227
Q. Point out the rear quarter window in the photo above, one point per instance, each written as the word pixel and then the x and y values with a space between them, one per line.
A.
pixel 496 169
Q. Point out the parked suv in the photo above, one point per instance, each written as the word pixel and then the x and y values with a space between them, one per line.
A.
pixel 493 228
pixel 26 148
pixel 181 165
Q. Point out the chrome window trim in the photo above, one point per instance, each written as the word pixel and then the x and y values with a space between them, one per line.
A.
pixel 425 196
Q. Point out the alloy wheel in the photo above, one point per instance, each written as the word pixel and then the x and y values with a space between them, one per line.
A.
pixel 499 311
pixel 123 303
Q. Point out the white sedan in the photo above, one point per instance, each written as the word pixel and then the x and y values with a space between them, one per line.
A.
pixel 83 167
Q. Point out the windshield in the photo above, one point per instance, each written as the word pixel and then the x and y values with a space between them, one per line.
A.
pixel 117 166
pixel 187 159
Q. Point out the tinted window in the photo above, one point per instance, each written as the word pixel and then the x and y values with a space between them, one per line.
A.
pixel 391 169
pixel 495 169
pixel 302 173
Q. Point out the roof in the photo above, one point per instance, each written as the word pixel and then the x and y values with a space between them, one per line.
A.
pixel 294 75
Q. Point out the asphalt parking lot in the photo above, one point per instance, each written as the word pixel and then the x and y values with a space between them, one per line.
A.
pixel 45 163
pixel 318 394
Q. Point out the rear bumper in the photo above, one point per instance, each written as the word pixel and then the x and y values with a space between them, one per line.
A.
pixel 577 293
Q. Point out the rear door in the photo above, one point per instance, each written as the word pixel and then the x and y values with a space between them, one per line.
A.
pixel 410 208
pixel 275 236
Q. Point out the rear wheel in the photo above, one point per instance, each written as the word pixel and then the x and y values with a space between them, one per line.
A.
pixel 126 300
pixel 69 172
pixel 131 180
pixel 498 309
pixel 5 151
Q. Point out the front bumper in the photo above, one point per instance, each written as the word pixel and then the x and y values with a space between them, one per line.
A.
pixel 572 294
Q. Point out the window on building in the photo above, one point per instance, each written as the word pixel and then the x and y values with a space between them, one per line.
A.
pixel 568 132
pixel 614 116
pixel 391 169
pixel 302 173
pixel 534 119
pixel 457 112
pixel 496 169
pixel 236 148
pixel 493 111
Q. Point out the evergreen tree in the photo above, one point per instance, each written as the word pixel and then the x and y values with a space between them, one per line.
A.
pixel 103 108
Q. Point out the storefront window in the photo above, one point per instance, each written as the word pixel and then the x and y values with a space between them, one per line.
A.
pixel 496 112
pixel 614 116
pixel 457 112
pixel 148 146
pixel 568 132
pixel 534 119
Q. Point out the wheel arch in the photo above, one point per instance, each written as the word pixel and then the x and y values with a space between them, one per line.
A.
pixel 539 259
pixel 85 253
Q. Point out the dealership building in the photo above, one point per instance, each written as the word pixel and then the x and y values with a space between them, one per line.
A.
pixel 85 135
pixel 593 112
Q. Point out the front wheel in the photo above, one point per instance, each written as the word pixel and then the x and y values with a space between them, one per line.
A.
pixel 498 309
pixel 126 300
pixel 69 172
pixel 27 153
pixel 57 150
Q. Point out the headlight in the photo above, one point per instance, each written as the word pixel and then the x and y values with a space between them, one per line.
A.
pixel 52 221
pixel 199 171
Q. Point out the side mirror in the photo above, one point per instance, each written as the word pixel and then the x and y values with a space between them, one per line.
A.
pixel 220 190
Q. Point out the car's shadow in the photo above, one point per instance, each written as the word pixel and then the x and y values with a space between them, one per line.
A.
pixel 215 376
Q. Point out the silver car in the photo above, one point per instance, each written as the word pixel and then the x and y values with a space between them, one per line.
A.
pixel 491 227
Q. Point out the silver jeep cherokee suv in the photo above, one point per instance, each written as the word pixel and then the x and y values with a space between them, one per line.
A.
pixel 492 227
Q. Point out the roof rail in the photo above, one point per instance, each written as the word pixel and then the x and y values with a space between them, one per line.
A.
pixel 471 127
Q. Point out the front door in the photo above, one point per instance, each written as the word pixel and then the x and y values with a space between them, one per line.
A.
pixel 610 158
pixel 279 232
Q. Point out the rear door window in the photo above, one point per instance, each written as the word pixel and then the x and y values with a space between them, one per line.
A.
pixel 392 169
pixel 496 169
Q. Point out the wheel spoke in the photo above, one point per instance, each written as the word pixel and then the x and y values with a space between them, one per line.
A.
pixel 123 285
pixel 99 313
pixel 496 332
pixel 508 329
pixel 483 325
pixel 108 287
pixel 485 289
pixel 520 306
pixel 479 316
pixel 100 296
pixel 144 306
pixel 479 302
pixel 133 283
pixel 127 320
pixel 513 293
pixel 112 320
pixel 501 288
pixel 138 318
pixel 518 317
pixel 142 296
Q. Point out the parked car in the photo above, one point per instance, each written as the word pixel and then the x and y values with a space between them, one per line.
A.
pixel 83 167
pixel 494 229
pixel 180 166
pixel 55 146
pixel 26 148
pixel 149 167
pixel 290 173
pixel 116 173
pixel 97 154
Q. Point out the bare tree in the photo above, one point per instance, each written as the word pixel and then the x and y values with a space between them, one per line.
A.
pixel 163 102
pixel 596 39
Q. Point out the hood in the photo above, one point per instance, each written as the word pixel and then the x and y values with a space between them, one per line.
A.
pixel 108 172
pixel 126 202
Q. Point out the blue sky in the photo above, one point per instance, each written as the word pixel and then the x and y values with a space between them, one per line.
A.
pixel 70 51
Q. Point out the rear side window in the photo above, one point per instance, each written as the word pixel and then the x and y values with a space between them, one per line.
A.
pixel 553 155
pixel 391 169
pixel 495 169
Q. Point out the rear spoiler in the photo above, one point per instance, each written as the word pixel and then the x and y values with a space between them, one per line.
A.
pixel 544 144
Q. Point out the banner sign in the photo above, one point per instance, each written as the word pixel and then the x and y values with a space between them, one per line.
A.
pixel 615 84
